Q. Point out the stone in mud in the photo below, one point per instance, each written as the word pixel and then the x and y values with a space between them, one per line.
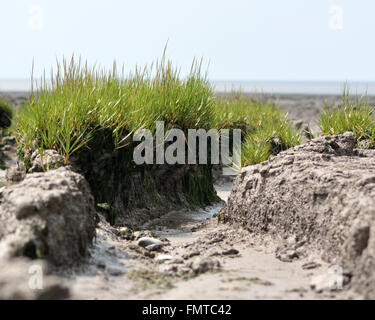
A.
pixel 203 265
pixel 15 174
pixel 6 148
pixel 191 254
pixel 154 247
pixel 147 241
pixel 126 233
pixel 164 257
pixel 291 249
pixel 287 255
pixel 49 215
pixel 9 140
pixel 48 160
pixel 311 265
pixel 115 271
pixel 230 252
pixel 322 192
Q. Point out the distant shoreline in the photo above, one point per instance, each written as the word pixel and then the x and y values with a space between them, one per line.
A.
pixel 275 88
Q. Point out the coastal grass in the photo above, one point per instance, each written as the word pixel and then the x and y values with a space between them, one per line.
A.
pixel 266 130
pixel 355 115
pixel 81 101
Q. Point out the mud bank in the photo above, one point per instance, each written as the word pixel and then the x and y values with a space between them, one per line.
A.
pixel 128 194
pixel 200 259
pixel 315 199
pixel 193 255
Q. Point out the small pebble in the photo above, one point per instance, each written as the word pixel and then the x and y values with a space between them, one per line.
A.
pixel 231 251
pixel 164 257
pixel 154 247
pixel 147 241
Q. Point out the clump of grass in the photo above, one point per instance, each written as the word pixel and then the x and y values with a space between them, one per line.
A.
pixel 265 128
pixel 82 101
pixel 6 114
pixel 355 115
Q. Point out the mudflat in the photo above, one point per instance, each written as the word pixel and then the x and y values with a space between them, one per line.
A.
pixel 200 259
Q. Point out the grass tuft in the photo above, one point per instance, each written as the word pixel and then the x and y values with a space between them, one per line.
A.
pixel 265 129
pixel 82 101
pixel 355 115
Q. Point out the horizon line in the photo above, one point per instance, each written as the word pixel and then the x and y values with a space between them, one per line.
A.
pixel 239 80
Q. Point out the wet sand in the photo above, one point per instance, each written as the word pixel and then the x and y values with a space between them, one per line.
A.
pixel 251 273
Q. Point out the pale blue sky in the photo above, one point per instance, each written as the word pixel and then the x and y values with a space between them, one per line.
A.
pixel 242 40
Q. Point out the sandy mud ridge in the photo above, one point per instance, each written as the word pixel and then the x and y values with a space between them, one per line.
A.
pixel 96 234
pixel 315 199
pixel 181 255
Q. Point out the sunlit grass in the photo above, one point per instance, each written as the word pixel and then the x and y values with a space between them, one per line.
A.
pixel 266 128
pixel 355 115
pixel 81 101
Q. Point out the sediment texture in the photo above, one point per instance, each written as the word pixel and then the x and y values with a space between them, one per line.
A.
pixel 323 194
pixel 135 194
pixel 49 215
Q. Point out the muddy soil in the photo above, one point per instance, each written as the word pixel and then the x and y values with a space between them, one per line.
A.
pixel 201 259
